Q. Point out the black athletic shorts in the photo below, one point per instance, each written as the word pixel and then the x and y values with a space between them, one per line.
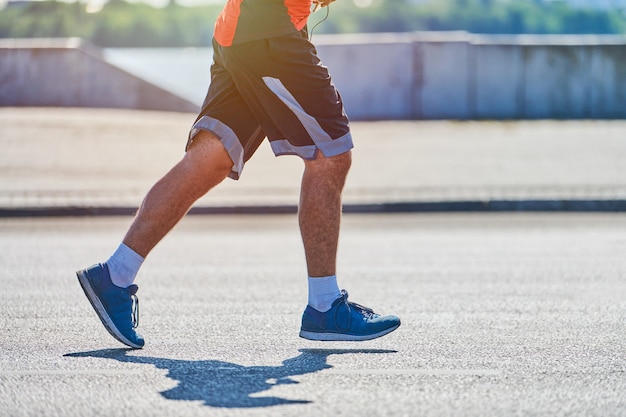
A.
pixel 275 88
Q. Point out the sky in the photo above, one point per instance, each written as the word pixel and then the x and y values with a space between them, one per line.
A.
pixel 96 4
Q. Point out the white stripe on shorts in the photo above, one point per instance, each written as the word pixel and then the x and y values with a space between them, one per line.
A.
pixel 327 145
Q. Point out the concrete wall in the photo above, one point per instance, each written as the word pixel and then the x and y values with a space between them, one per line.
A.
pixel 452 75
pixel 462 76
pixel 69 72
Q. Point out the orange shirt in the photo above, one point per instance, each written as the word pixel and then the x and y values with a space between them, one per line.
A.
pixel 248 20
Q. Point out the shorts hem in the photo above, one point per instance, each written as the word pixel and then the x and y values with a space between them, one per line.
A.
pixel 327 148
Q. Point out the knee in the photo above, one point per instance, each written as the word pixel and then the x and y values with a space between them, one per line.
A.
pixel 207 156
pixel 328 172
pixel 336 166
pixel 343 162
pixel 205 164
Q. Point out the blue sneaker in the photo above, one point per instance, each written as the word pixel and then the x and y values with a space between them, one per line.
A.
pixel 346 321
pixel 117 308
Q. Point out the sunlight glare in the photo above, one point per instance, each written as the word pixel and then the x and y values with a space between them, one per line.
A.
pixel 363 3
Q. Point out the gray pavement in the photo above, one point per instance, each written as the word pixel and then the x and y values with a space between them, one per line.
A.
pixel 503 314
pixel 56 159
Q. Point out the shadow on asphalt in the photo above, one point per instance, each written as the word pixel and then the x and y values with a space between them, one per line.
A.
pixel 225 384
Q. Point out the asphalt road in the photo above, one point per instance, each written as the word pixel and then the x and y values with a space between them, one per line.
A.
pixel 503 314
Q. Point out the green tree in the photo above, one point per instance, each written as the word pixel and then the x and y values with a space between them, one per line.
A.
pixel 121 24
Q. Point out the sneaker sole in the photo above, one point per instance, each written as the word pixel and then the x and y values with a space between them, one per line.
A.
pixel 101 311
pixel 342 337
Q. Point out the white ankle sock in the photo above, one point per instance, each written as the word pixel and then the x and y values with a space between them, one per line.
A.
pixel 124 265
pixel 323 291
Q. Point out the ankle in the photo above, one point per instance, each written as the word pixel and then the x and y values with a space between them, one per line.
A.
pixel 123 266
pixel 323 291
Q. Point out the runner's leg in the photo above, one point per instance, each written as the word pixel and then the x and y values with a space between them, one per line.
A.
pixel 319 214
pixel 205 164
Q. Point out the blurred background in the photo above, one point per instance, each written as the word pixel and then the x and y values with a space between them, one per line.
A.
pixel 180 23
pixel 397 62
pixel 408 59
